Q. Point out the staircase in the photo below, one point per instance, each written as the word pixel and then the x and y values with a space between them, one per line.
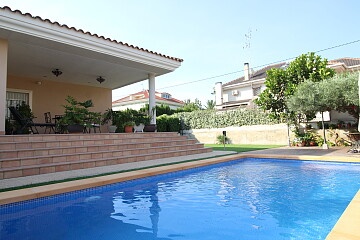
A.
pixel 26 155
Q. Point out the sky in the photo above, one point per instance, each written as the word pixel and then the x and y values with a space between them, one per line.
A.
pixel 214 38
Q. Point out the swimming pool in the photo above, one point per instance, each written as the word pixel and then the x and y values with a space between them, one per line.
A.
pixel 244 199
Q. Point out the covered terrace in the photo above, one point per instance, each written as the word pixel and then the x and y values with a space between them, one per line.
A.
pixel 31 48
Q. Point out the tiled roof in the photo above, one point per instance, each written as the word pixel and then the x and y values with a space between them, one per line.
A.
pixel 145 95
pixel 260 74
pixel 349 62
pixel 5 8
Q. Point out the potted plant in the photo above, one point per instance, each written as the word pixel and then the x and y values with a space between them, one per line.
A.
pixel 110 116
pixel 140 120
pixel 340 124
pixel 76 115
pixel 9 127
pixel 128 126
pixel 25 111
pixel 149 127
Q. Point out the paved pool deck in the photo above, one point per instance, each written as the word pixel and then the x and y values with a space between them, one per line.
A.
pixel 346 228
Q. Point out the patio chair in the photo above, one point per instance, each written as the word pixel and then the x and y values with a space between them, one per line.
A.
pixel 47 116
pixel 94 126
pixel 355 141
pixel 58 127
pixel 94 123
pixel 26 122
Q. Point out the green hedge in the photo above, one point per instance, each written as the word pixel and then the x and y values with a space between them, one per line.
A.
pixel 212 119
pixel 166 123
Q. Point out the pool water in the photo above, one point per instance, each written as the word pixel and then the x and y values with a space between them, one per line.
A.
pixel 243 199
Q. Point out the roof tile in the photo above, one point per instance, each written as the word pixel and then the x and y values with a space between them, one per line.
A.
pixel 6 8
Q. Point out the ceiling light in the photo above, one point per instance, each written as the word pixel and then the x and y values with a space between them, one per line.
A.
pixel 100 79
pixel 56 72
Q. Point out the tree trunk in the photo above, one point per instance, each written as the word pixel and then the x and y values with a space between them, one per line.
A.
pixel 325 146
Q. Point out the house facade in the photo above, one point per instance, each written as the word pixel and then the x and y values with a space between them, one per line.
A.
pixel 140 99
pixel 42 62
pixel 242 91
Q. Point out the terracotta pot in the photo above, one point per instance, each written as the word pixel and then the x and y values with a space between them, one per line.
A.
pixel 128 129
pixel 301 144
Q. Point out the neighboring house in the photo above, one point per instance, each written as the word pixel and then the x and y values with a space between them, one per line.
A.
pixel 241 92
pixel 140 99
pixel 42 62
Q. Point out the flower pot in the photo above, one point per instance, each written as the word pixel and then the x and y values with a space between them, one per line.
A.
pixel 301 144
pixel 76 128
pixel 128 129
pixel 112 128
pixel 150 128
pixel 139 128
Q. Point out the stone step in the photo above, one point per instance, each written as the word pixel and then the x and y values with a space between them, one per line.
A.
pixel 94 154
pixel 13 172
pixel 68 148
pixel 16 145
pixel 25 155
pixel 69 137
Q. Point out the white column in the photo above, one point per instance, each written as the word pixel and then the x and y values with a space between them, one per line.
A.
pixel 3 79
pixel 152 102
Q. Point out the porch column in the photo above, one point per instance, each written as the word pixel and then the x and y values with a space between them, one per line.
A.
pixel 3 79
pixel 152 102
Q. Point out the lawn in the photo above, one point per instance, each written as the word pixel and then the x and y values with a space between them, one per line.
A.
pixel 240 147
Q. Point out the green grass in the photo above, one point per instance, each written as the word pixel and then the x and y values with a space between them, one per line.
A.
pixel 240 147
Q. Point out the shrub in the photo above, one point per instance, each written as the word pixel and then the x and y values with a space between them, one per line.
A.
pixel 221 139
pixel 212 119
pixel 161 123
pixel 167 123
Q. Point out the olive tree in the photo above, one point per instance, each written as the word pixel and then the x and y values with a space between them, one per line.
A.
pixel 310 98
pixel 337 93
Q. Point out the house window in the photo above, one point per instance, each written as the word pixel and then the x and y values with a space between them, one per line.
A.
pixel 256 91
pixel 16 97
pixel 166 95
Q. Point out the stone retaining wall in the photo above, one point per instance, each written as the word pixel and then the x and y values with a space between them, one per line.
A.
pixel 257 134
pixel 262 134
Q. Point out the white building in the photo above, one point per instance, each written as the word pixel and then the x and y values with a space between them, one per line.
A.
pixel 140 99
pixel 242 91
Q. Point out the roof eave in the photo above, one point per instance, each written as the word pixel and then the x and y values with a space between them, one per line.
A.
pixel 250 82
pixel 15 21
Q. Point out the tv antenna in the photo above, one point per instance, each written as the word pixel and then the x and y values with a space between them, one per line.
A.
pixel 247 45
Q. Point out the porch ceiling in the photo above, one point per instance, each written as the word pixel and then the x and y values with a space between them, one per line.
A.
pixel 37 46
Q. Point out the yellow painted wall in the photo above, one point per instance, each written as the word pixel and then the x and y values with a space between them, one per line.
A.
pixel 50 95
